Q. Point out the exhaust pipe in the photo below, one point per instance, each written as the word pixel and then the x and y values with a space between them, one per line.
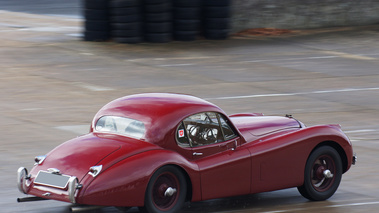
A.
pixel 28 199
pixel 84 208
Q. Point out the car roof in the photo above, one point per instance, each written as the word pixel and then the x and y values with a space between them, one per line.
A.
pixel 160 112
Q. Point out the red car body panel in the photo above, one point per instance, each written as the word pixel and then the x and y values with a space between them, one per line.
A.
pixel 269 153
pixel 283 156
pixel 130 176
pixel 161 113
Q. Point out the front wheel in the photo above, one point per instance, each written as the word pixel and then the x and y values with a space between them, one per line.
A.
pixel 323 172
pixel 166 191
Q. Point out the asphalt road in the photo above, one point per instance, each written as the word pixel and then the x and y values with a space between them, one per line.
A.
pixel 52 84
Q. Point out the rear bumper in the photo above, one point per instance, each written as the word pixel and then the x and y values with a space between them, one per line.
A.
pixel 26 185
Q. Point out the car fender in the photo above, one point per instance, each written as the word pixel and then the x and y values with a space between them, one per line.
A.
pixel 124 183
pixel 279 159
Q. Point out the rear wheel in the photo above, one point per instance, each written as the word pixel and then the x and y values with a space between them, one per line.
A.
pixel 166 191
pixel 323 173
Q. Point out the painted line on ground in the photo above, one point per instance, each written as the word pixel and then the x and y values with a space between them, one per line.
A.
pixel 349 56
pixel 354 204
pixel 331 54
pixel 330 206
pixel 78 129
pixel 361 131
pixel 292 59
pixel 174 65
pixel 294 94
pixel 93 88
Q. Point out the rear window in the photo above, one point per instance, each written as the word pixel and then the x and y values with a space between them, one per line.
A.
pixel 120 125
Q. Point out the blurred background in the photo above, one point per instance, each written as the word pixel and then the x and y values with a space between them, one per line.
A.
pixel 322 69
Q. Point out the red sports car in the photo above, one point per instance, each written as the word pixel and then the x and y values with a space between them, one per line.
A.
pixel 156 151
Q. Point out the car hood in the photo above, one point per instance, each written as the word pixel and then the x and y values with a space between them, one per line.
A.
pixel 257 126
pixel 76 156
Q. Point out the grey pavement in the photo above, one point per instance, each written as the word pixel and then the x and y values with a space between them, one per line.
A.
pixel 52 83
pixel 47 7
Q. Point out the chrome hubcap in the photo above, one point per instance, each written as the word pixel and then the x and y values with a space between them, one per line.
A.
pixel 170 192
pixel 328 174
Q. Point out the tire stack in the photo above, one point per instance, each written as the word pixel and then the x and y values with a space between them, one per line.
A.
pixel 96 24
pixel 187 19
pixel 158 20
pixel 216 19
pixel 126 21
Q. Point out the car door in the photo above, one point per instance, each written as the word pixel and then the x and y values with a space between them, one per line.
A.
pixel 224 164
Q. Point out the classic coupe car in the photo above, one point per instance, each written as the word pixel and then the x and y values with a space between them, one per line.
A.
pixel 157 151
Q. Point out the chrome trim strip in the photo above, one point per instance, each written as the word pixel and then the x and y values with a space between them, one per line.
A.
pixel 95 170
pixel 54 171
pixel 39 159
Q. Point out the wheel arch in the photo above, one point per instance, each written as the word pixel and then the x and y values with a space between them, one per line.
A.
pixel 339 149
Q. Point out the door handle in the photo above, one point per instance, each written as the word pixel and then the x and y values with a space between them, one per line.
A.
pixel 197 154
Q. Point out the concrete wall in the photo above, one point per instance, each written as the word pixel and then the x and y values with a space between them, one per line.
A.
pixel 302 14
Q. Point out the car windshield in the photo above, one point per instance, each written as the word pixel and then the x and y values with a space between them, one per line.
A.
pixel 120 125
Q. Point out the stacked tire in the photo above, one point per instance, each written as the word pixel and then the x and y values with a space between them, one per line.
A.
pixel 216 20
pixel 158 20
pixel 187 19
pixel 96 24
pixel 126 21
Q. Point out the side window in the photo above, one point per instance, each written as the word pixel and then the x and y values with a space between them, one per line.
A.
pixel 181 136
pixel 227 130
pixel 203 129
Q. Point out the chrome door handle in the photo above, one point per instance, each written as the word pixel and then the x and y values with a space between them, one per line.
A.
pixel 197 154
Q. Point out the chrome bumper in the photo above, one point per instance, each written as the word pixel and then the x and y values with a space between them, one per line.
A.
pixel 23 176
pixel 355 158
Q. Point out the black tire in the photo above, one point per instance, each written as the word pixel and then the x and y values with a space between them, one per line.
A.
pixel 158 17
pixel 158 8
pixel 185 35
pixel 124 3
pixel 96 15
pixel 216 23
pixel 127 26
pixel 163 27
pixel 126 33
pixel 128 40
pixel 125 11
pixel 187 3
pixel 217 12
pixel 186 25
pixel 96 36
pixel 156 201
pixel 216 34
pixel 126 18
pixel 95 4
pixel 96 25
pixel 217 3
pixel 158 37
pixel 186 13
pixel 317 186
